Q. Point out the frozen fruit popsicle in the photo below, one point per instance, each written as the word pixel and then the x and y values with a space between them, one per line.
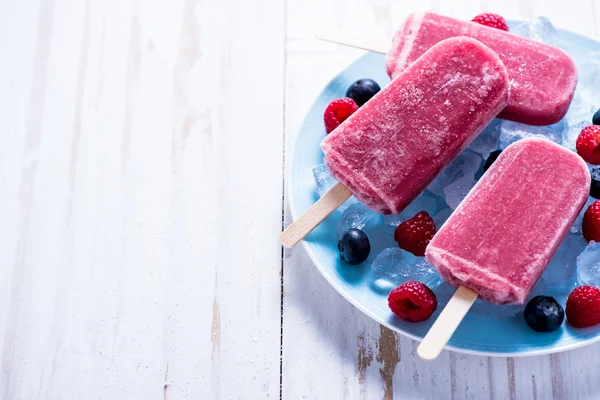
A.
pixel 543 78
pixel 388 151
pixel 500 239
pixel 502 236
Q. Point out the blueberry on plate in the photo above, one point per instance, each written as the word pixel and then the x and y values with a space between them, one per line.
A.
pixel 362 90
pixel 354 246
pixel 544 314
pixel 596 118
pixel 491 158
pixel 595 186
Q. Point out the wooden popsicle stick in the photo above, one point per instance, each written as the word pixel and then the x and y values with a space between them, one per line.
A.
pixel 352 39
pixel 443 328
pixel 315 215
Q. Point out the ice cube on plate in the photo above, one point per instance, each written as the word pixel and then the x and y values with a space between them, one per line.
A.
pixel 466 164
pixel 563 263
pixel 323 179
pixel 488 140
pixel 398 266
pixel 358 216
pixel 511 132
pixel 540 30
pixel 458 190
pixel 588 265
pixel 588 80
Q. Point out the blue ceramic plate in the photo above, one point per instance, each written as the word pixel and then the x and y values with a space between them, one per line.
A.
pixel 480 332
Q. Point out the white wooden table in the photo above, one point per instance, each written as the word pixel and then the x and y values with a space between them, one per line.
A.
pixel 141 179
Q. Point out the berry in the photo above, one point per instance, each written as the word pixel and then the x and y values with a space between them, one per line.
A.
pixel 362 90
pixel 354 246
pixel 491 20
pixel 414 234
pixel 491 159
pixel 596 118
pixel 412 301
pixel 595 186
pixel 583 306
pixel 337 112
pixel 544 314
pixel 591 222
pixel 588 144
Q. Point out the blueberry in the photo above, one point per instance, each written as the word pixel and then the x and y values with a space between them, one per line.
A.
pixel 354 246
pixel 491 158
pixel 596 118
pixel 362 90
pixel 544 314
pixel 595 186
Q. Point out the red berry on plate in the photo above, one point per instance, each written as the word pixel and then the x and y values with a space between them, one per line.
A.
pixel 337 112
pixel 588 144
pixel 591 222
pixel 414 234
pixel 583 307
pixel 491 20
pixel 412 301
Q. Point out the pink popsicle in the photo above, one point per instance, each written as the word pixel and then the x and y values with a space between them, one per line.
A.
pixel 502 236
pixel 388 151
pixel 543 78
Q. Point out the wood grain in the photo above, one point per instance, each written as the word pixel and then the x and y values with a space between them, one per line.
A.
pixel 132 267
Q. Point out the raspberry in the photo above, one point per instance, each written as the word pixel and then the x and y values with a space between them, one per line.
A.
pixel 412 301
pixel 591 222
pixel 583 307
pixel 588 143
pixel 491 20
pixel 337 111
pixel 414 235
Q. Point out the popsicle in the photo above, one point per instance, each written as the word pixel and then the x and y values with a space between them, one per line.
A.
pixel 502 236
pixel 543 78
pixel 500 239
pixel 388 151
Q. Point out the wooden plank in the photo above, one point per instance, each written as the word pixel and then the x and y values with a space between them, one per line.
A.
pixel 141 150
pixel 330 349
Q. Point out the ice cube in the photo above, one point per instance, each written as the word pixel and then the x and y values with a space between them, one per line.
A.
pixel 588 265
pixel 588 81
pixel 571 133
pixel 440 218
pixel 510 132
pixel 466 164
pixel 358 216
pixel 458 190
pixel 323 179
pixel 424 202
pixel 540 30
pixel 563 263
pixel 398 266
pixel 488 140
